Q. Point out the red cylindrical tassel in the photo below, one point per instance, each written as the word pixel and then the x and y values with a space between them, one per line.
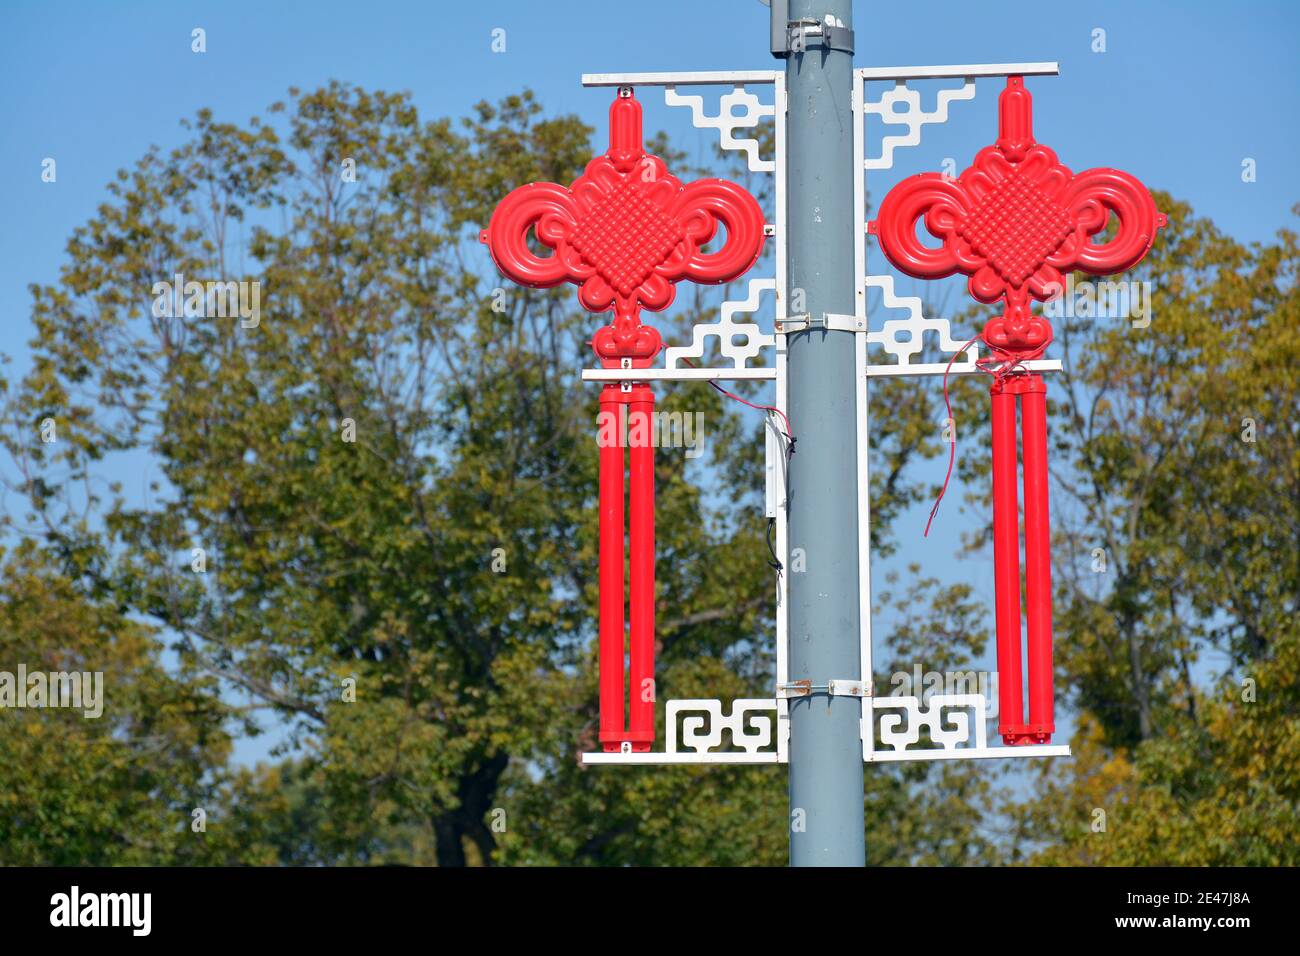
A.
pixel 611 567
pixel 1038 560
pixel 1006 562
pixel 641 547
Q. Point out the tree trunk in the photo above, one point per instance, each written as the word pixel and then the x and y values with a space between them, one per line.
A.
pixel 451 848
pixel 477 792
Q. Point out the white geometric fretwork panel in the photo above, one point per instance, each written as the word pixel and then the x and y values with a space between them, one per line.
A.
pixel 727 122
pixel 911 115
pixel 696 731
pixel 948 717
pixel 750 731
pixel 905 338
pixel 752 339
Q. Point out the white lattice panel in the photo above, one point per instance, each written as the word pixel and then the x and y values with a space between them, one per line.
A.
pixel 901 106
pixel 738 341
pixel 947 717
pixel 727 113
pixel 904 338
pixel 727 121
pixel 955 724
pixel 751 724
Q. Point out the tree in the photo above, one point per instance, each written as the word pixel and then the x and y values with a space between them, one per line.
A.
pixel 374 516
pixel 1178 564
pixel 113 782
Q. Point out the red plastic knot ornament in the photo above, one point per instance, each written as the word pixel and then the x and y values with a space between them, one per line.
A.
pixel 1013 222
pixel 624 232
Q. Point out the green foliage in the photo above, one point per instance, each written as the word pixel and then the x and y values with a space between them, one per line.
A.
pixel 117 789
pixel 417 605
pixel 1183 447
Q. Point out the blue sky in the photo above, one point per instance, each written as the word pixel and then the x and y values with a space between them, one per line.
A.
pixel 1183 93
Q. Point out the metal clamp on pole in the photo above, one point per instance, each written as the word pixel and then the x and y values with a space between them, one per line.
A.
pixel 792 36
pixel 800 32
pixel 829 320
pixel 834 688
pixel 798 323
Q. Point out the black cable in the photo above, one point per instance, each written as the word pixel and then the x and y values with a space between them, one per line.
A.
pixel 774 562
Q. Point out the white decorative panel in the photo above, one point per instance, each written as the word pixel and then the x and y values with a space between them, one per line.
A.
pixel 751 723
pixel 948 717
pixel 901 106
pixel 737 341
pixel 905 337
pixel 696 730
pixel 728 121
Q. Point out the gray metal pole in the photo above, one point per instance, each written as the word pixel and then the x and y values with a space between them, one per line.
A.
pixel 826 770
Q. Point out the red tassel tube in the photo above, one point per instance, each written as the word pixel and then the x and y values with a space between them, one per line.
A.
pixel 1006 560
pixel 641 562
pixel 1038 559
pixel 627 421
pixel 611 567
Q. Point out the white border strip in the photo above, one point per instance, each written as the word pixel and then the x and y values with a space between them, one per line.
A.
pixel 964 368
pixel 774 374
pixel 677 374
pixel 972 70
pixel 969 753
pixel 698 77
pixel 861 372
pixel 782 516
pixel 598 758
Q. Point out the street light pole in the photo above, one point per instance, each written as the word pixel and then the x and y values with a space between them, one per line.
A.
pixel 826 768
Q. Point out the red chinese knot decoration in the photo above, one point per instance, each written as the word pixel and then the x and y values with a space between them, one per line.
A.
pixel 1013 222
pixel 625 232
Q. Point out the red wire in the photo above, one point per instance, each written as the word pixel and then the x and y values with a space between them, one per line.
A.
pixel 981 364
pixel 789 429
pixel 999 375
pixel 952 448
